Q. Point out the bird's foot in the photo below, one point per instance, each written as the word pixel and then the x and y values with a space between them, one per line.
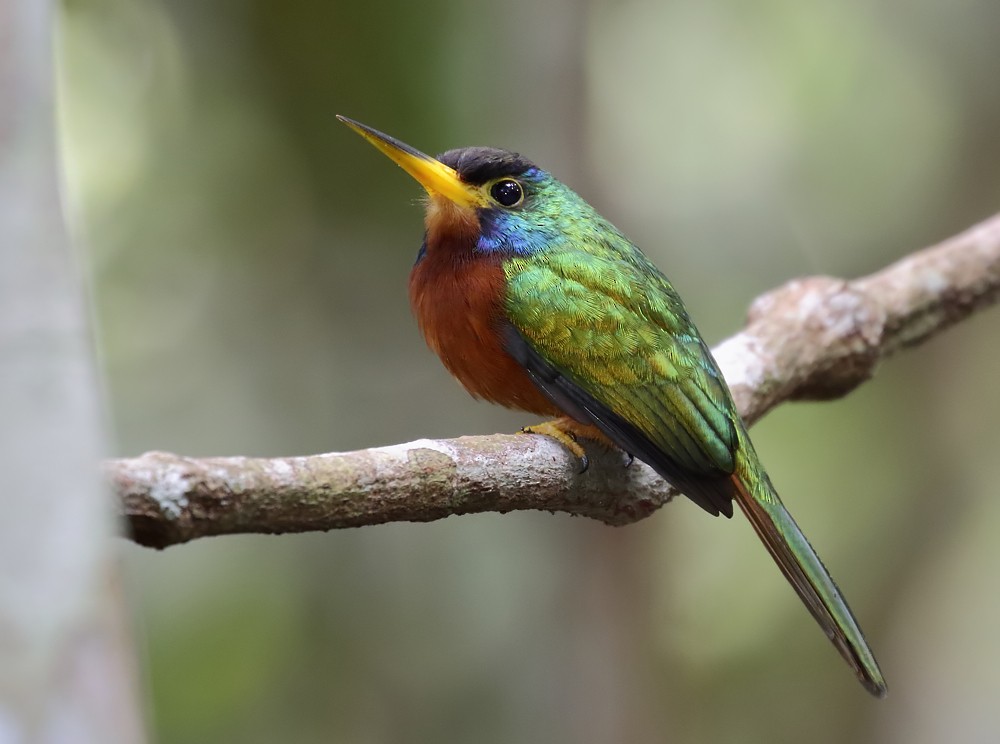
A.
pixel 566 438
pixel 568 433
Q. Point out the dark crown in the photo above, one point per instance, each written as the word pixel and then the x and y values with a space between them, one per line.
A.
pixel 477 165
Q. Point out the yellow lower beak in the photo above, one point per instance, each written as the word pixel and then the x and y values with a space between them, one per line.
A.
pixel 432 174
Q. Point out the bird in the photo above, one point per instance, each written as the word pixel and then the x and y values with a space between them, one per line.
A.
pixel 536 302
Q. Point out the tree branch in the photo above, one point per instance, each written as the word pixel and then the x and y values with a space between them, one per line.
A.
pixel 812 339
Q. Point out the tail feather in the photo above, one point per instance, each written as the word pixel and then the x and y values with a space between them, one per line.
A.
pixel 807 575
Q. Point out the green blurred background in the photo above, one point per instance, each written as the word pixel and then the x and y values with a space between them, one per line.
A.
pixel 249 258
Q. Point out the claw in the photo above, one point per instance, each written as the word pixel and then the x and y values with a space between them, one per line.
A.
pixel 583 458
pixel 631 459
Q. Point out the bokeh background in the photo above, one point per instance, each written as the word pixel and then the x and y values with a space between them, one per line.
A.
pixel 249 258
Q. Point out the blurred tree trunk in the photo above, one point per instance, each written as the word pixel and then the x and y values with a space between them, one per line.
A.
pixel 66 668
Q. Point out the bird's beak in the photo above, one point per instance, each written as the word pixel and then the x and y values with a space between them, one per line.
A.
pixel 432 174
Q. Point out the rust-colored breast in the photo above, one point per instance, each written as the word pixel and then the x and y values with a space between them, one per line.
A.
pixel 457 298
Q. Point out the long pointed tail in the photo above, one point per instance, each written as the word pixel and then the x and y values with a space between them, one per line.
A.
pixel 805 572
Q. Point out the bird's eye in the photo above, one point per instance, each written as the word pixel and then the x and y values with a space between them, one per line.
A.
pixel 507 192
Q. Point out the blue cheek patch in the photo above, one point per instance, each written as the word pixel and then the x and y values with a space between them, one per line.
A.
pixel 516 232
pixel 511 233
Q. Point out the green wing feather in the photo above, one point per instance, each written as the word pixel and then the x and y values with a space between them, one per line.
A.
pixel 613 325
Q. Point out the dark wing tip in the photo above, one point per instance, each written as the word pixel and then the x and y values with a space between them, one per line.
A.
pixel 712 492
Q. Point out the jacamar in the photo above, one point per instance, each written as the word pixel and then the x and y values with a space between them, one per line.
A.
pixel 536 302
